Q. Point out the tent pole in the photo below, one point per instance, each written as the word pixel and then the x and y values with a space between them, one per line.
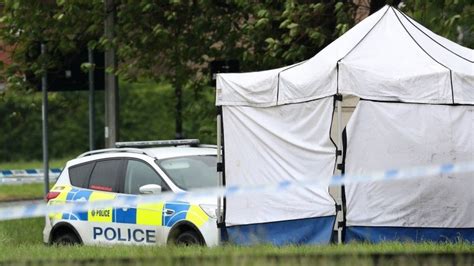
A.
pixel 219 163
pixel 339 127
pixel 339 159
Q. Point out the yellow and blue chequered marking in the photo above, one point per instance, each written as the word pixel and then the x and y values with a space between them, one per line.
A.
pixel 177 212
pixel 125 215
pixel 157 214
pixel 77 195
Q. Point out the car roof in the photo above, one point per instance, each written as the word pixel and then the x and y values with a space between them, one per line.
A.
pixel 159 153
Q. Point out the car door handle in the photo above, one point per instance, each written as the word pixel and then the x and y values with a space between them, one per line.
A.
pixel 168 212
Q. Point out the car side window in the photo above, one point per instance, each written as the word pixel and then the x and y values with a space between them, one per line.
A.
pixel 79 175
pixel 106 175
pixel 139 174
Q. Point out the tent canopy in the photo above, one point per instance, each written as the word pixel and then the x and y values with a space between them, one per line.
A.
pixel 388 57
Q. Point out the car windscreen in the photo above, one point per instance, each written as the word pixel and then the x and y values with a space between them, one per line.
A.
pixel 190 172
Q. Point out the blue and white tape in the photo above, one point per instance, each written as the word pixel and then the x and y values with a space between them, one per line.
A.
pixel 27 175
pixel 41 209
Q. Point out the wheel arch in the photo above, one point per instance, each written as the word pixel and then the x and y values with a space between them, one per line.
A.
pixel 64 227
pixel 183 226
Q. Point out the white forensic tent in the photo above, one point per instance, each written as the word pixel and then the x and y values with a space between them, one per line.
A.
pixel 277 123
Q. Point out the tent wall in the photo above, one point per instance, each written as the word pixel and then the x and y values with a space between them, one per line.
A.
pixel 384 136
pixel 270 145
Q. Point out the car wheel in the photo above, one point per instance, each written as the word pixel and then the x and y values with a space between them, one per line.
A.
pixel 66 239
pixel 188 238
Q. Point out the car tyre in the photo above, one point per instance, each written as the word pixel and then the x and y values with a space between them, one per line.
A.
pixel 188 238
pixel 66 239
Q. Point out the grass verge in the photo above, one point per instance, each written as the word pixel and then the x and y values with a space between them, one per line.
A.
pixel 56 163
pixel 21 192
pixel 20 243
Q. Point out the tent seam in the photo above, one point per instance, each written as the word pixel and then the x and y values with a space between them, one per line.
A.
pixel 297 219
pixel 424 33
pixel 428 54
pixel 289 103
pixel 368 32
pixel 224 199
pixel 278 82
pixel 335 162
pixel 417 103
pixel 353 48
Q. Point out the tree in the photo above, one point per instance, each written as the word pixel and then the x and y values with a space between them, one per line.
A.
pixel 175 40
pixel 26 24
pixel 172 40
pixel 285 32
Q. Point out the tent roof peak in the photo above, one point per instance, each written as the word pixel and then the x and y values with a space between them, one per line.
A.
pixel 387 56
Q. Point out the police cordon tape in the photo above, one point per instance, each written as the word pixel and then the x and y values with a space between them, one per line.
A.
pixel 29 210
pixel 23 176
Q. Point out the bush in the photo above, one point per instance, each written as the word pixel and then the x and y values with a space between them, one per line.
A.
pixel 147 112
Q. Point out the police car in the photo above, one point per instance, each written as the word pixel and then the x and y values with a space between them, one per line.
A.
pixel 110 174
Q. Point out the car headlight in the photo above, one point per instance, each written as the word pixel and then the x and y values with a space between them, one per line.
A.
pixel 209 209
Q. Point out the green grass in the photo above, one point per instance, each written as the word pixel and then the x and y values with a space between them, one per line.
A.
pixel 21 242
pixel 21 232
pixel 22 192
pixel 56 163
pixel 228 255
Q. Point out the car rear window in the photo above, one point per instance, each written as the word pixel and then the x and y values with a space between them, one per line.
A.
pixel 79 175
pixel 106 175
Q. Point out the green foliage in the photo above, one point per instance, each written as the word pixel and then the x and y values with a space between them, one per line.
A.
pixel 63 25
pixel 285 32
pixel 200 113
pixel 147 113
pixel 21 120
pixel 453 19
pixel 168 41
pixel 173 40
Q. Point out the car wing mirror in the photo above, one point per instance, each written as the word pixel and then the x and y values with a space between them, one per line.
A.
pixel 150 189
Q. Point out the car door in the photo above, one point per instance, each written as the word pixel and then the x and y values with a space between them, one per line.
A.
pixel 148 218
pixel 105 183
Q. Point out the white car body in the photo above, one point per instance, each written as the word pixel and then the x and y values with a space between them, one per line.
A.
pixel 153 224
